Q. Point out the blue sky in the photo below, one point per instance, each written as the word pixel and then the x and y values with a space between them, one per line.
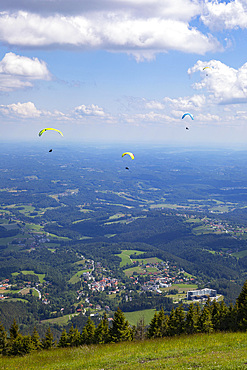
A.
pixel 124 70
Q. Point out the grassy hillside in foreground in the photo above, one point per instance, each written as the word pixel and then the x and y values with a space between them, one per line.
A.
pixel 206 351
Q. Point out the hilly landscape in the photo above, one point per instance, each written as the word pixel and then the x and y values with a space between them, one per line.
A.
pixel 80 235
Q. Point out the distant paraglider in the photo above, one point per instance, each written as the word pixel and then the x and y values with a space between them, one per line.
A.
pixel 206 68
pixel 48 129
pixel 130 154
pixel 187 114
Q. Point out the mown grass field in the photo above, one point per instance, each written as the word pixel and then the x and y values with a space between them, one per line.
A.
pixel 140 269
pixel 30 272
pixel 202 351
pixel 129 272
pixel 62 320
pixel 76 277
pixel 125 256
pixel 134 317
pixel 240 254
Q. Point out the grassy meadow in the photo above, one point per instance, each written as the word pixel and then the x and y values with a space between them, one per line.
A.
pixel 125 256
pixel 27 272
pixel 204 351
pixel 135 316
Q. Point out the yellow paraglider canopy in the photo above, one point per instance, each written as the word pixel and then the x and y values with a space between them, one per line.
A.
pixel 47 129
pixel 130 154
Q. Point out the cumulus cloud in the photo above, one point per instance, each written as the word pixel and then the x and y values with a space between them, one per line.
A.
pixel 90 110
pixel 181 9
pixel 22 110
pixel 29 110
pixel 149 117
pixel 225 84
pixel 186 103
pixel 153 104
pixel 208 118
pixel 18 71
pixel 141 28
pixel 225 15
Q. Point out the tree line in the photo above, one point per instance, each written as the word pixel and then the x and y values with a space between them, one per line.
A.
pixel 212 317
pixel 16 344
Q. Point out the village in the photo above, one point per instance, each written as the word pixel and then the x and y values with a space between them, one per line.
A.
pixel 214 225
pixel 156 276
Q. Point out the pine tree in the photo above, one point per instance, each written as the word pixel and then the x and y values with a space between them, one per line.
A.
pixel 47 341
pixel 21 345
pixel 3 339
pixel 205 320
pixel 120 330
pixel 241 308
pixel 74 337
pixel 140 330
pixel 36 339
pixel 220 316
pixel 14 331
pixel 216 316
pixel 231 319
pixel 102 331
pixel 63 341
pixel 87 335
pixel 153 327
pixel 191 320
pixel 172 323
pixel 162 324
pixel 180 319
pixel 224 312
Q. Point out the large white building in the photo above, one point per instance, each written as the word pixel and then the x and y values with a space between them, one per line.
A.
pixel 202 293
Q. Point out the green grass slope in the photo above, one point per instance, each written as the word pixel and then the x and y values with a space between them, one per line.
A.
pixel 204 351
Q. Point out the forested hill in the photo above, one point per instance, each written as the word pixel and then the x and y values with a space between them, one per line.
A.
pixel 80 234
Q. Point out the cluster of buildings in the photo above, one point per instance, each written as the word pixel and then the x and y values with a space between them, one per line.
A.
pixel 217 225
pixel 201 294
pixel 103 284
pixel 4 284
pixel 153 285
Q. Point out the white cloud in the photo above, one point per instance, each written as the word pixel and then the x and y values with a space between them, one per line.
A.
pixel 221 15
pixel 150 117
pixel 208 118
pixel 186 103
pixel 29 110
pixel 154 105
pixel 164 27
pixel 225 84
pixel 22 110
pixel 90 110
pixel 13 64
pixel 181 9
pixel 18 72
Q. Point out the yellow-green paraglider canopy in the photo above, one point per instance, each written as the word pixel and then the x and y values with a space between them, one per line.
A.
pixel 47 129
pixel 130 154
